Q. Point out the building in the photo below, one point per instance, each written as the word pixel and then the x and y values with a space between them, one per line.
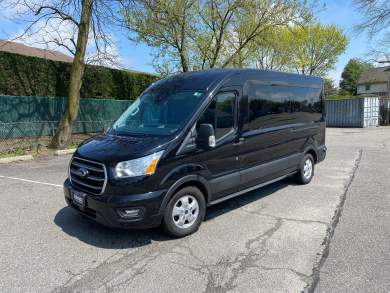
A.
pixel 374 81
pixel 18 48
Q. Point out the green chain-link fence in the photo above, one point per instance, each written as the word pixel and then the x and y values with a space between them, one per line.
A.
pixel 27 122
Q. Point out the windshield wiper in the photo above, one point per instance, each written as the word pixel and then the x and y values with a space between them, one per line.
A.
pixel 131 134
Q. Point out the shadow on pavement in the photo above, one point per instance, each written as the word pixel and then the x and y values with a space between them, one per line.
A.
pixel 245 199
pixel 97 235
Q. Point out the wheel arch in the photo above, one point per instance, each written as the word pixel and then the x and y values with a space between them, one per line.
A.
pixel 312 152
pixel 310 147
pixel 189 180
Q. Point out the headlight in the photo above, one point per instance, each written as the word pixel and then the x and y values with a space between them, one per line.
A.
pixel 138 167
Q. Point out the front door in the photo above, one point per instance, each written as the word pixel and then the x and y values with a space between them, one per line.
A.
pixel 222 163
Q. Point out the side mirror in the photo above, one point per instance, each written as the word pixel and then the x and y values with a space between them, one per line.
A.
pixel 206 136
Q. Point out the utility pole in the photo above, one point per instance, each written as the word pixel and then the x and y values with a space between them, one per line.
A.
pixel 387 103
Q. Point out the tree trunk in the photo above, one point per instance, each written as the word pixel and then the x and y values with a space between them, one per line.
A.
pixel 64 131
pixel 183 61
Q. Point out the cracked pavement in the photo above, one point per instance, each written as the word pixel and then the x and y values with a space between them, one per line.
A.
pixel 275 239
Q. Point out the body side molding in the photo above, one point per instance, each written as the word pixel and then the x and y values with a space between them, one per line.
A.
pixel 219 200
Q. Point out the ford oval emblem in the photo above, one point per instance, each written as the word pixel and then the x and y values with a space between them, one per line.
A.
pixel 83 172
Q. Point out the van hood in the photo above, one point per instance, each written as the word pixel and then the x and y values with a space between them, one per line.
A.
pixel 111 149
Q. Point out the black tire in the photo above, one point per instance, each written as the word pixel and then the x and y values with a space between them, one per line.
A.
pixel 303 177
pixel 171 223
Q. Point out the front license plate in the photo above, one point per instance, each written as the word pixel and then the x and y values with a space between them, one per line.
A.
pixel 79 198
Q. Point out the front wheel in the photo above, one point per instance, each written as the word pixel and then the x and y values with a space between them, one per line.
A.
pixel 306 170
pixel 184 212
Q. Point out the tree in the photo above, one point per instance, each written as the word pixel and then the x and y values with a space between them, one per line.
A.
pixel 249 20
pixel 64 130
pixel 165 25
pixel 272 50
pixel 376 21
pixel 376 16
pixel 210 35
pixel 314 48
pixel 194 34
pixel 329 88
pixel 380 53
pixel 351 74
pixel 89 20
pixel 310 49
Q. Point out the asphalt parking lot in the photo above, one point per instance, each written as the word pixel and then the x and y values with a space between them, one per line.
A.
pixel 331 235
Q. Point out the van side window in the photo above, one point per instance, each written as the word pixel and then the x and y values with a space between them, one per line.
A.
pixel 277 105
pixel 220 113
pixel 266 106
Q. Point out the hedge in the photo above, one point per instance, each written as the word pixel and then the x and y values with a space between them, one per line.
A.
pixel 338 97
pixel 31 76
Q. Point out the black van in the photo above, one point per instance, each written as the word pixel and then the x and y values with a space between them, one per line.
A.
pixel 194 140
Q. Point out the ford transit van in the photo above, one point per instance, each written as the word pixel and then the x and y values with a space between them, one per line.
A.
pixel 196 139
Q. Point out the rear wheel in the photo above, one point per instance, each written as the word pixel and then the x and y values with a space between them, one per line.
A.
pixel 306 170
pixel 184 212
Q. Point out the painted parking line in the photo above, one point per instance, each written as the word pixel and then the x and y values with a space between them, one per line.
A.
pixel 31 181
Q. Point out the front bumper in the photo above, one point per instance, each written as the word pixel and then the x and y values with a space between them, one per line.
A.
pixel 104 208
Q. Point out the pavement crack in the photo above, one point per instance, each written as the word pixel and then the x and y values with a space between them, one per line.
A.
pixel 112 268
pixel 315 277
pixel 222 275
pixel 285 218
pixel 302 276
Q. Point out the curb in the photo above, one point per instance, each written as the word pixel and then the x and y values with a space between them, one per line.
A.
pixel 16 159
pixel 64 152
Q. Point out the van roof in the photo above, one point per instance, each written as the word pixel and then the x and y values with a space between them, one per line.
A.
pixel 204 79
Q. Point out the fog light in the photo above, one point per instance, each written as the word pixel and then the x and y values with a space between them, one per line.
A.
pixel 129 213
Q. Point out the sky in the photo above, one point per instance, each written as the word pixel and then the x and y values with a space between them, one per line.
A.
pixel 138 57
pixel 344 14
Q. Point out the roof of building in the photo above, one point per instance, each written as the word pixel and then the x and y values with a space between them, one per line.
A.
pixel 18 48
pixel 375 75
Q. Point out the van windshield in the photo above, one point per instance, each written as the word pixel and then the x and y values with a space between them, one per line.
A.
pixel 158 112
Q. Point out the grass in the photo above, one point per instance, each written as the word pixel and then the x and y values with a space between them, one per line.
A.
pixel 15 153
pixel 72 145
pixel 34 150
pixel 34 145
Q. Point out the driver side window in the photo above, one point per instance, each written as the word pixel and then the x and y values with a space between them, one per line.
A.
pixel 220 113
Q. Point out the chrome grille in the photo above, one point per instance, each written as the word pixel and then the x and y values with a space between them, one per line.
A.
pixel 87 175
